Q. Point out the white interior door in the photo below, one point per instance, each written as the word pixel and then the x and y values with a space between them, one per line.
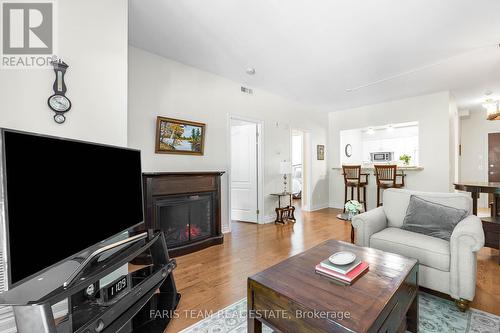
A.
pixel 244 200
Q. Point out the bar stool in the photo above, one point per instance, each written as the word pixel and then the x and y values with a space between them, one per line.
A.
pixel 386 178
pixel 352 179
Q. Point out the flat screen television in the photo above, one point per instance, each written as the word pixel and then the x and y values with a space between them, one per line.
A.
pixel 63 196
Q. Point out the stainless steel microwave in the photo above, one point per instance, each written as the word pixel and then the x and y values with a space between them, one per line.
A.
pixel 382 156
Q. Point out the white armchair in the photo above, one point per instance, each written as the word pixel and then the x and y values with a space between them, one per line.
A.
pixel 447 267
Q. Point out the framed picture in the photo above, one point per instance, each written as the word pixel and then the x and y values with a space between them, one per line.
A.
pixel 320 151
pixel 175 136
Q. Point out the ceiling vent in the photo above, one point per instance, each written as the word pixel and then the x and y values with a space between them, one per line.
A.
pixel 246 90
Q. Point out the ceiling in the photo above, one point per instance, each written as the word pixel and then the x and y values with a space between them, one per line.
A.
pixel 313 51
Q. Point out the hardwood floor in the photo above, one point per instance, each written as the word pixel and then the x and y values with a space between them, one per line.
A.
pixel 214 278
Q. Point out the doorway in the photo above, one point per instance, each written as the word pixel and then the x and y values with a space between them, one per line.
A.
pixel 245 169
pixel 494 170
pixel 494 157
pixel 300 168
pixel 297 167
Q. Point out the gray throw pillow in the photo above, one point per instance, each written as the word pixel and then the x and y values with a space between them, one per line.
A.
pixel 432 219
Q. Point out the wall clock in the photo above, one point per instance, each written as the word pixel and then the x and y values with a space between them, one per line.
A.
pixel 348 150
pixel 58 102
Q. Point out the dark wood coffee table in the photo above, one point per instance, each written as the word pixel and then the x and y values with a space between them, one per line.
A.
pixel 291 297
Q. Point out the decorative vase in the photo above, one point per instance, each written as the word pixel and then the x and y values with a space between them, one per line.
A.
pixel 350 215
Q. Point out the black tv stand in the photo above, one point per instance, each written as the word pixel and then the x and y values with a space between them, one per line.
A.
pixel 127 305
pixel 100 251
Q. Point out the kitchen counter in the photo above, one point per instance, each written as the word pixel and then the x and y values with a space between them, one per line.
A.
pixel 371 167
pixel 415 179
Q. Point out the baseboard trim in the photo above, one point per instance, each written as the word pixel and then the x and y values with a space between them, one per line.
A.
pixel 336 205
pixel 319 207
pixel 268 219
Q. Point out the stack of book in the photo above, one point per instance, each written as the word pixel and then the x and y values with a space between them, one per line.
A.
pixel 345 274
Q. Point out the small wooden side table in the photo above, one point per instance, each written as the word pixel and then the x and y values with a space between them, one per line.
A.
pixel 491 227
pixel 286 212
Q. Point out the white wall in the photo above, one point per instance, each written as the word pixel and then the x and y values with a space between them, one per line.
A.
pixel 474 140
pixel 354 137
pixel 159 86
pixel 92 38
pixel 432 114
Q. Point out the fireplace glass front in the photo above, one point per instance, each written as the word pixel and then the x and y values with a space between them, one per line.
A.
pixel 185 219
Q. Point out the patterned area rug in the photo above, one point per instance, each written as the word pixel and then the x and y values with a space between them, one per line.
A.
pixel 437 315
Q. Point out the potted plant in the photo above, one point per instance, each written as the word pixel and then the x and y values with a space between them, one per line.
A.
pixel 405 158
pixel 352 207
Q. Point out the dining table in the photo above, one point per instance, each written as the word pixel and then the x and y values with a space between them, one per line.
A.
pixel 476 188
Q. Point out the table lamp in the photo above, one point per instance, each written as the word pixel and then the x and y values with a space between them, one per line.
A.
pixel 285 169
